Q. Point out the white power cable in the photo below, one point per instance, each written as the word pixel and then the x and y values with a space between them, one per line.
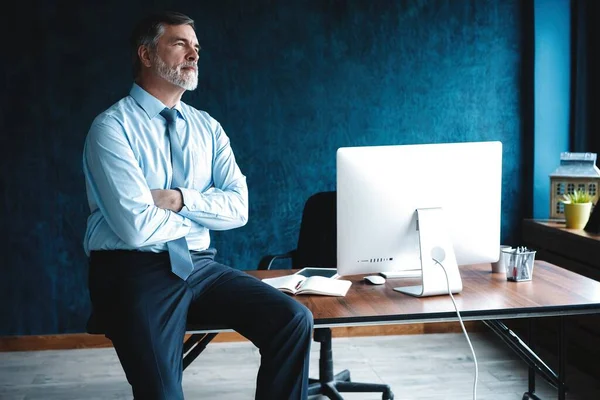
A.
pixel 463 329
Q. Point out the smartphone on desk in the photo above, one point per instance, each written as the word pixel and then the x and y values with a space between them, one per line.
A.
pixel 318 271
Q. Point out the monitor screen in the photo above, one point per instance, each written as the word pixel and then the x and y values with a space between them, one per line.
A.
pixel 380 188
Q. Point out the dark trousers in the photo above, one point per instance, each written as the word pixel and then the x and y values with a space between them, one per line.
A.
pixel 144 308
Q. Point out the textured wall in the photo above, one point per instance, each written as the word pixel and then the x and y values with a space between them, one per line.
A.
pixel 290 81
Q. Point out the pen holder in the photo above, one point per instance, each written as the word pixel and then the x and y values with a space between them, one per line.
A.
pixel 519 264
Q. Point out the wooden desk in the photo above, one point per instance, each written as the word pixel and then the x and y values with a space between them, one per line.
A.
pixel 553 291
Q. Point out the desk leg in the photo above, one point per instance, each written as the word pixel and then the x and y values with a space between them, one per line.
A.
pixel 561 378
pixel 562 371
pixel 530 340
pixel 530 394
pixel 195 345
pixel 535 363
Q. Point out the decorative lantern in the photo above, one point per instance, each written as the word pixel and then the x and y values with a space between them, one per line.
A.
pixel 577 171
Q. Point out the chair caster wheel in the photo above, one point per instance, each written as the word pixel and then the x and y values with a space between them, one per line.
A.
pixel 387 395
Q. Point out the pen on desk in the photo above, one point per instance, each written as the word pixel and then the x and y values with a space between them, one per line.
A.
pixel 526 266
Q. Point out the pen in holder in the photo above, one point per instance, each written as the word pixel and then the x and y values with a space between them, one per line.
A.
pixel 519 263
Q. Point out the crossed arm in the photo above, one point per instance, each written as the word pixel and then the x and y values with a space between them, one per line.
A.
pixel 143 216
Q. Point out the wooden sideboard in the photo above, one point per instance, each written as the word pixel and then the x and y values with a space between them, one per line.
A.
pixel 578 251
pixel 573 249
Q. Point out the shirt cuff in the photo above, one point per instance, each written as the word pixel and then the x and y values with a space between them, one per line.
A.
pixel 188 196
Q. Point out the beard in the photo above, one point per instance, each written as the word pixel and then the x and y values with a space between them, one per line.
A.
pixel 187 80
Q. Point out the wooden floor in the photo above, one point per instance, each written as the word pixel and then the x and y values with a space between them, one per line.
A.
pixel 418 367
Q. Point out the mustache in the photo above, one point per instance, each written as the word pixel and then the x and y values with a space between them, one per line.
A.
pixel 187 64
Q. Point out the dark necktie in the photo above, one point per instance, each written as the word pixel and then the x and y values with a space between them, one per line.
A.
pixel 179 253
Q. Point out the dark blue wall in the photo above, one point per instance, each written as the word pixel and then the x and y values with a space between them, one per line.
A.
pixel 290 81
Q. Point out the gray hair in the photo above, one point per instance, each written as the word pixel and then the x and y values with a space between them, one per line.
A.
pixel 149 30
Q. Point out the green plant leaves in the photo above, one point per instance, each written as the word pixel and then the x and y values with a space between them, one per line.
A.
pixel 577 197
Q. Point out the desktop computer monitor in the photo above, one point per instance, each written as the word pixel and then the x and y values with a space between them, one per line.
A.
pixel 413 207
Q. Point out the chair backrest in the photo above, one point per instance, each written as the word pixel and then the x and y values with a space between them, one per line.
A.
pixel 317 240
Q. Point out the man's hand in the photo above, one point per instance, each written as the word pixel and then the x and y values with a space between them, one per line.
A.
pixel 169 199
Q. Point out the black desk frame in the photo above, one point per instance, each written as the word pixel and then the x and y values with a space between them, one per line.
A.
pixel 492 318
pixel 535 363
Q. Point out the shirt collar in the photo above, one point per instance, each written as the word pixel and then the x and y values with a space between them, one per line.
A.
pixel 150 104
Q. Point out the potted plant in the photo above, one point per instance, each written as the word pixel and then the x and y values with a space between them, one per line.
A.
pixel 578 206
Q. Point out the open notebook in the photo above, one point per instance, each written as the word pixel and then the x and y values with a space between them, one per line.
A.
pixel 298 284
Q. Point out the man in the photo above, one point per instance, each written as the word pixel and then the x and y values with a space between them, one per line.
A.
pixel 157 170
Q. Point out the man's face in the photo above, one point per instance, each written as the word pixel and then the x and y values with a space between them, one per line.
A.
pixel 176 56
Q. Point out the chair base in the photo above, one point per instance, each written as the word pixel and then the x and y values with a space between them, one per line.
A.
pixel 341 383
pixel 331 385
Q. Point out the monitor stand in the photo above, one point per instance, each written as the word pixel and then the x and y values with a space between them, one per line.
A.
pixel 434 242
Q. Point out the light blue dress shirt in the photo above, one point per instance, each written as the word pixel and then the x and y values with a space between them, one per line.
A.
pixel 127 153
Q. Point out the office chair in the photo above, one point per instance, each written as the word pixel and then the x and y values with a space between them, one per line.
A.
pixel 316 247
